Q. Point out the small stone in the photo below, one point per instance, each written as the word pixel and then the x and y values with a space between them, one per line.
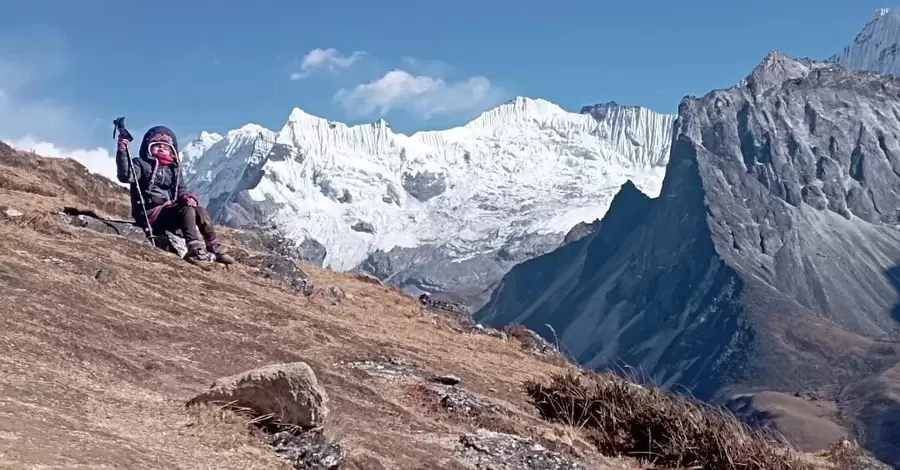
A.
pixel 105 274
pixel 333 292
pixel 11 213
pixel 446 379
pixel 367 278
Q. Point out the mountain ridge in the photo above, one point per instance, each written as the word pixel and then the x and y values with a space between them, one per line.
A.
pixel 763 263
pixel 505 186
pixel 877 46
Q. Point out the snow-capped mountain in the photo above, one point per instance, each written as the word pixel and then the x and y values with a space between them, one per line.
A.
pixel 877 47
pixel 418 209
pixel 192 151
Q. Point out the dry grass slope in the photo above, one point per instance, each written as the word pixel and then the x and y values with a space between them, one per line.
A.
pixel 103 340
pixel 623 418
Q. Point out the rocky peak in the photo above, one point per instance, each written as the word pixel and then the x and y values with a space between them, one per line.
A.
pixel 601 111
pixel 775 69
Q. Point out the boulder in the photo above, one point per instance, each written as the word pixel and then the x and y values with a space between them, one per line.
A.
pixel 289 392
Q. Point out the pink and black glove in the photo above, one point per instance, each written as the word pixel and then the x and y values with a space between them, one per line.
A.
pixel 190 199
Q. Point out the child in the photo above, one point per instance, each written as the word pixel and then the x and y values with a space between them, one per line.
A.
pixel 168 204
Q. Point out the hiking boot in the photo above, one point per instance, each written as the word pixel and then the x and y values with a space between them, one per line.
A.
pixel 200 257
pixel 222 255
pixel 224 258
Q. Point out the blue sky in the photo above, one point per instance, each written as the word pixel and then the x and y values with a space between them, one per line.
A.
pixel 68 68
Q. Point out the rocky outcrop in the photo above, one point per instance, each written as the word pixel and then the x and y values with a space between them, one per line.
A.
pixel 581 230
pixel 93 221
pixel 765 261
pixel 268 239
pixel 499 451
pixel 282 269
pixel 288 394
pixel 439 271
pixel 424 185
pixel 310 450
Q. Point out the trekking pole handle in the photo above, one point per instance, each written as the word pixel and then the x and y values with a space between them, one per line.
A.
pixel 121 130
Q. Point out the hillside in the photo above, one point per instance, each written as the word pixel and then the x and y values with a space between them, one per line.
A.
pixel 767 262
pixel 104 339
pixel 446 211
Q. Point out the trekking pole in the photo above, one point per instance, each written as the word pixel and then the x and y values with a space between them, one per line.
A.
pixel 118 133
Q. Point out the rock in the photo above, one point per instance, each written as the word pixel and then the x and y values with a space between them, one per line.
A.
pixel 424 185
pixel 363 227
pixel 459 311
pixel 490 331
pixel 367 278
pixel 281 268
pixel 289 392
pixel 468 276
pixel 581 230
pixel 310 450
pixel 446 379
pixel 105 274
pixel 490 450
pixel 385 367
pixel 93 221
pixel 333 293
pixel 459 401
pixel 531 341
pixel 10 212
pixel 270 240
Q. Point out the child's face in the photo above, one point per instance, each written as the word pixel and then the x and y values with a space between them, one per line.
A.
pixel 162 150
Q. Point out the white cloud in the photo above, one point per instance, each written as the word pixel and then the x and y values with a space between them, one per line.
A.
pixel 98 161
pixel 330 59
pixel 424 95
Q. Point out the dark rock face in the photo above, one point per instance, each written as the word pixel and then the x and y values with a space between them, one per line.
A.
pixel 436 270
pixel 235 208
pixel 581 230
pixel 424 185
pixel 281 269
pixel 764 261
pixel 363 227
pixel 268 239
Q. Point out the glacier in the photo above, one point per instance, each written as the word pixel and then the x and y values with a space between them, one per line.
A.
pixel 505 186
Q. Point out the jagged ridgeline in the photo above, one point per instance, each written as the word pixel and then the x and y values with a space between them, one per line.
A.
pixel 769 258
pixel 444 212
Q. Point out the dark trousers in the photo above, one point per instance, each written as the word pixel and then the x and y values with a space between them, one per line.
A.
pixel 195 224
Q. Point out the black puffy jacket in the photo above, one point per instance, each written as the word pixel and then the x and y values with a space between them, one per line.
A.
pixel 158 184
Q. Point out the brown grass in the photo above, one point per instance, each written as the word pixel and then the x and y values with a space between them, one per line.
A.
pixel 231 431
pixel 60 181
pixel 96 369
pixel 623 418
